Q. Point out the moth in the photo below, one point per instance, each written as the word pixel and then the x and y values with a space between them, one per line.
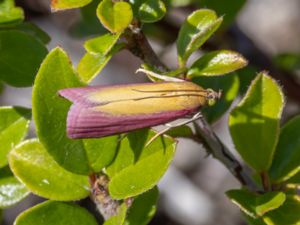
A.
pixel 108 110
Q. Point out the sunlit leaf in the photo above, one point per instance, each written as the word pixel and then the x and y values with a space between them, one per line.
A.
pixel 114 16
pixel 257 116
pixel 32 164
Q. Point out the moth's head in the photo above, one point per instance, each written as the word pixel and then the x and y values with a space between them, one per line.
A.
pixel 213 96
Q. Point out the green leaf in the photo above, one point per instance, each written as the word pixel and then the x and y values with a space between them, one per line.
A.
pixel 9 13
pixel 91 65
pixel 229 9
pixel 11 192
pixel 68 4
pixel 114 16
pixel 137 168
pixel 17 67
pixel 254 123
pixel 143 208
pixel 101 45
pixel 197 28
pixel 152 11
pixel 217 63
pixel 58 213
pixel 14 124
pixel 256 205
pixel 229 85
pixel 50 112
pixel 287 214
pixel 287 154
pixel 32 164
pixel 50 115
pixel 101 152
pixel 118 219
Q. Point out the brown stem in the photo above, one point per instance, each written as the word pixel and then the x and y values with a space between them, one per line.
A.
pixel 139 46
pixel 265 181
pixel 219 151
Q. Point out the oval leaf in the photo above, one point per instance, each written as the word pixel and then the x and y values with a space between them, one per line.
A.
pixel 217 63
pixel 17 67
pixel 32 164
pixel 68 4
pixel 256 205
pixel 142 168
pixel 58 213
pixel 287 154
pixel 152 11
pixel 254 123
pixel 14 123
pixel 11 192
pixel 114 16
pixel 197 28
pixel 50 111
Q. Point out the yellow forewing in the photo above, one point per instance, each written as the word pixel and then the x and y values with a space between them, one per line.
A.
pixel 145 98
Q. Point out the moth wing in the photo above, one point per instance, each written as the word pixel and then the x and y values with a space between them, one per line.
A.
pixel 88 122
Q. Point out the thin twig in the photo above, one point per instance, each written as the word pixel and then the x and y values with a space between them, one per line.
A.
pixel 138 45
pixel 220 151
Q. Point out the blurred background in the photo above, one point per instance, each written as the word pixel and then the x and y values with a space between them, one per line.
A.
pixel 266 32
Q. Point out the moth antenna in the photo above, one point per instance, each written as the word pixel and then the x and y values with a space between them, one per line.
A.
pixel 159 76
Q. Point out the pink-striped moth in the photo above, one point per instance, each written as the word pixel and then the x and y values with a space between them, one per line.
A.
pixel 107 110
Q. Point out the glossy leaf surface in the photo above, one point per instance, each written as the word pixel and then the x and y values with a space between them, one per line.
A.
pixel 197 28
pixel 217 63
pixel 32 164
pixel 151 11
pixel 11 191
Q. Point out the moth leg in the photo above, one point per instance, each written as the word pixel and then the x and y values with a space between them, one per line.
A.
pixel 159 76
pixel 171 126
